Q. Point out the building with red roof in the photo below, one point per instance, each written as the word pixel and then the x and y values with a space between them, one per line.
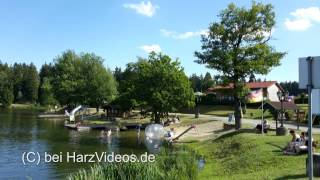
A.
pixel 257 89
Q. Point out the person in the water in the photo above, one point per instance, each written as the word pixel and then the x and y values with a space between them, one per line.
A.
pixel 109 133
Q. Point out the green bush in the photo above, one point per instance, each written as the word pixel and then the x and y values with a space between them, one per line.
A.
pixel 290 115
pixel 301 99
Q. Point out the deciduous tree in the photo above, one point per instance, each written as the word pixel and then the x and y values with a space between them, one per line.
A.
pixel 159 84
pixel 82 79
pixel 237 46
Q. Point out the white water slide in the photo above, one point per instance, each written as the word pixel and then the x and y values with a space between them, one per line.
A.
pixel 73 112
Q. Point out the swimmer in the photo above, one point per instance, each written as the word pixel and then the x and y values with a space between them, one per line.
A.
pixel 109 133
pixel 138 130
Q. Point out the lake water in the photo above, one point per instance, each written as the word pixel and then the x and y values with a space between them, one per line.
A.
pixel 21 131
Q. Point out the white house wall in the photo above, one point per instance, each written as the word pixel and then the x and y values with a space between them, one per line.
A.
pixel 272 93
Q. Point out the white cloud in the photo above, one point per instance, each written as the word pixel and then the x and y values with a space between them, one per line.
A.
pixel 144 8
pixel 303 19
pixel 152 47
pixel 297 25
pixel 312 13
pixel 184 35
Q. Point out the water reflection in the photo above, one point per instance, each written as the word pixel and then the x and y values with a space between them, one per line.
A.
pixel 22 131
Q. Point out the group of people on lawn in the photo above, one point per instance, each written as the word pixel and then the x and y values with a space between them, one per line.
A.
pixel 298 143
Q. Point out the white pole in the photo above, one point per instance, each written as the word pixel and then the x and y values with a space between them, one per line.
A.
pixel 310 154
pixel 262 123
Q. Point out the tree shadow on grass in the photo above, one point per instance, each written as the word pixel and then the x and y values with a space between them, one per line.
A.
pixel 297 176
pixel 279 148
pixel 186 142
pixel 220 131
pixel 233 133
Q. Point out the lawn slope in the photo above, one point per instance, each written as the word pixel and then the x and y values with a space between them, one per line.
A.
pixel 246 155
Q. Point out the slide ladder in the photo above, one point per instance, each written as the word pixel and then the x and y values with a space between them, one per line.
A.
pixel 73 112
pixel 184 132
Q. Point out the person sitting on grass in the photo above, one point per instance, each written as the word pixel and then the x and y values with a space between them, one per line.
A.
pixel 295 136
pixel 303 146
pixel 295 141
pixel 265 126
pixel 170 134
pixel 314 143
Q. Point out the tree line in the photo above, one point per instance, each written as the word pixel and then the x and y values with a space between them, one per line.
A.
pixel 203 83
pixel 18 83
pixel 70 80
pixel 157 83
pixel 293 88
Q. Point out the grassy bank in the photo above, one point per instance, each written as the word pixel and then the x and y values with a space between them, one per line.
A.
pixel 237 155
pixel 246 155
pixel 27 106
pixel 170 164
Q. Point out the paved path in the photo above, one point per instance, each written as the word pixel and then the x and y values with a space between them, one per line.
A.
pixel 254 122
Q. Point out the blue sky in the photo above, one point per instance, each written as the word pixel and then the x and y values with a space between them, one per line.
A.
pixel 119 31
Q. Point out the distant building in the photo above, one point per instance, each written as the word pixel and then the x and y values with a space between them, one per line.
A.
pixel 268 88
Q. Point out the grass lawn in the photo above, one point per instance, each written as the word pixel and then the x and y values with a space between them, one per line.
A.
pixel 237 155
pixel 246 155
pixel 188 120
pixel 223 110
pixel 303 107
pixel 28 106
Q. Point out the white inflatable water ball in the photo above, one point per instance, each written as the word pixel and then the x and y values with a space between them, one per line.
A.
pixel 155 131
pixel 153 145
